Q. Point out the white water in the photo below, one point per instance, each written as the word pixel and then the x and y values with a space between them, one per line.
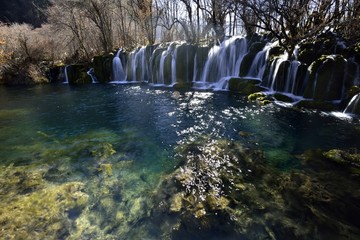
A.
pixel 91 73
pixel 224 60
pixel 66 81
pixel 258 65
pixel 118 70
pixel 138 65
pixel 355 101
pixel 173 67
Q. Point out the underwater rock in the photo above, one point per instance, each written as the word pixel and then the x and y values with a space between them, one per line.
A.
pixel 47 211
pixel 344 158
pixel 223 185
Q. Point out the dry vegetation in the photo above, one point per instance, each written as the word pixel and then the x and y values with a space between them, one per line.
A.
pixel 78 30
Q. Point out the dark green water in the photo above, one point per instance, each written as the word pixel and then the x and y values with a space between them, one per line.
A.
pixel 90 163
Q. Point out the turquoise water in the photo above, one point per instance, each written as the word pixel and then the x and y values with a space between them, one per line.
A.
pixel 133 162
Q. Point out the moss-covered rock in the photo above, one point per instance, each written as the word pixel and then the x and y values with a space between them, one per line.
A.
pixel 245 85
pixel 260 97
pixel 326 78
pixel 316 105
pixel 222 181
pixel 77 74
pixel 102 65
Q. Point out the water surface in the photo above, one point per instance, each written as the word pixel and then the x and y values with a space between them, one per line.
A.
pixel 99 162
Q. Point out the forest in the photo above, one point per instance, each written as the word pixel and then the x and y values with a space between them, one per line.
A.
pixel 38 34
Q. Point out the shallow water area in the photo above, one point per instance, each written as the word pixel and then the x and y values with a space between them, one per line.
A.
pixel 139 162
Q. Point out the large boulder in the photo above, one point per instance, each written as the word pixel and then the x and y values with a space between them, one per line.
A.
pixel 77 74
pixel 102 65
pixel 245 85
pixel 326 79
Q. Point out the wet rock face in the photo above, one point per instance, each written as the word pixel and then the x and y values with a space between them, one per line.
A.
pixel 225 190
pixel 77 74
pixel 103 67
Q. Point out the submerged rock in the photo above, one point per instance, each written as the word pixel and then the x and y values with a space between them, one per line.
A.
pixel 32 208
pixel 222 186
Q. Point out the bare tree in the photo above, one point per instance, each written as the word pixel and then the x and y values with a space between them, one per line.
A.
pixel 100 13
pixel 293 20
pixel 146 14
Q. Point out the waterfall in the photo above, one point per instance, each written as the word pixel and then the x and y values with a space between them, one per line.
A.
pixel 274 72
pixel 167 66
pixel 91 73
pixel 290 86
pixel 354 105
pixel 173 67
pixel 118 70
pixel 137 71
pixel 224 60
pixel 66 81
pixel 258 65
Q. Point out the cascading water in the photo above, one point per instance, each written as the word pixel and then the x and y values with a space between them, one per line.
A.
pixel 290 86
pixel 223 61
pixel 213 68
pixel 167 67
pixel 354 105
pixel 66 80
pixel 91 73
pixel 118 69
pixel 258 65
pixel 138 69
pixel 173 67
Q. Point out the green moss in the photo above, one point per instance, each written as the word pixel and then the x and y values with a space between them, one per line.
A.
pixel 316 105
pixel 343 158
pixel 326 78
pixel 260 97
pixel 245 85
pixel 30 207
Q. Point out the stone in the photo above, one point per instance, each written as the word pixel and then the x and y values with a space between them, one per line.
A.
pixel 102 65
pixel 326 78
pixel 283 98
pixel 245 85
pixel 316 105
pixel 77 74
